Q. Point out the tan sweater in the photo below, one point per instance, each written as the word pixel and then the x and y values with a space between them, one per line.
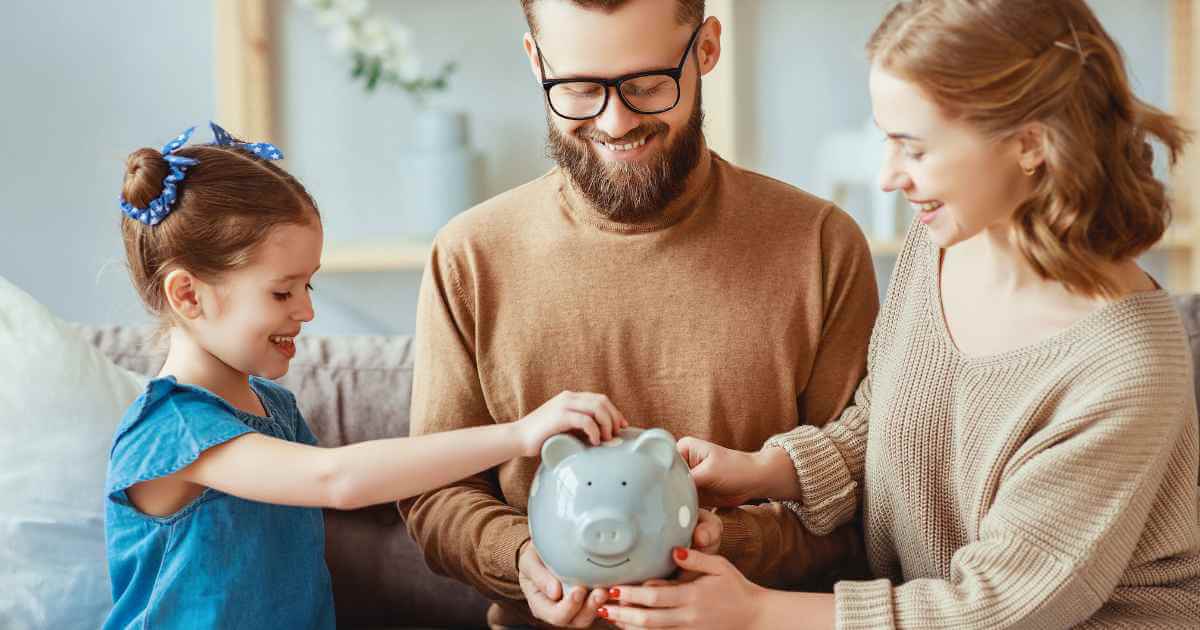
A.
pixel 744 312
pixel 1044 487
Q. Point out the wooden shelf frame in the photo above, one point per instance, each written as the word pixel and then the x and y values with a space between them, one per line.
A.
pixel 1184 53
pixel 244 41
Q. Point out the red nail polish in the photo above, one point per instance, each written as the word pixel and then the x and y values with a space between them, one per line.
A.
pixel 603 612
pixel 680 553
pixel 614 593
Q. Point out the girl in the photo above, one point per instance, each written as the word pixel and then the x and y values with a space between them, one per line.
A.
pixel 1024 446
pixel 214 478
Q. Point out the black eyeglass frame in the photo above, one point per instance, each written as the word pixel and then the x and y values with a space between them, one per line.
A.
pixel 674 73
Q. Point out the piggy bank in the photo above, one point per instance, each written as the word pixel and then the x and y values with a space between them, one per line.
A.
pixel 611 514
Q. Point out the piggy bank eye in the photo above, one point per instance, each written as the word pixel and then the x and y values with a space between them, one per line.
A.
pixel 624 483
pixel 589 483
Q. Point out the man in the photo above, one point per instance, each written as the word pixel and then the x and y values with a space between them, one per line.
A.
pixel 701 298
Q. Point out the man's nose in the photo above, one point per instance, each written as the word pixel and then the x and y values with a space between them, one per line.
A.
pixel 617 120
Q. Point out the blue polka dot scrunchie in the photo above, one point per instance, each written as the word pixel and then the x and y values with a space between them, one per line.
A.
pixel 160 206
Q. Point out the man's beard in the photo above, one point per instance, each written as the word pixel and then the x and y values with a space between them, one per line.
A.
pixel 629 192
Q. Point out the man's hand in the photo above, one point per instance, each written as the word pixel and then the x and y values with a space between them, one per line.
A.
pixel 544 593
pixel 706 538
pixel 724 477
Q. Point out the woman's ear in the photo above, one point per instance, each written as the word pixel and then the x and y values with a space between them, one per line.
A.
pixel 181 289
pixel 1031 143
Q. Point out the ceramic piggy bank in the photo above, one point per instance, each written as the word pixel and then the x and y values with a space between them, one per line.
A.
pixel 610 514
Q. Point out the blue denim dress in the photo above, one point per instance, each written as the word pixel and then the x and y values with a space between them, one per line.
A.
pixel 221 561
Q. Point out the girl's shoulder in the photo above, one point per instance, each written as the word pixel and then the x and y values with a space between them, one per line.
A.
pixel 165 401
pixel 166 428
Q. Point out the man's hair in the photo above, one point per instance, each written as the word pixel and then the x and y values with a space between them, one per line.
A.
pixel 686 11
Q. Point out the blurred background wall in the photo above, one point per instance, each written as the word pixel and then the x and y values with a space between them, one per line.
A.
pixel 86 83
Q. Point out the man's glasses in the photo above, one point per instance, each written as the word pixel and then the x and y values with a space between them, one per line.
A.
pixel 581 98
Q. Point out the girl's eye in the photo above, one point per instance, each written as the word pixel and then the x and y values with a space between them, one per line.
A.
pixel 309 287
pixel 282 296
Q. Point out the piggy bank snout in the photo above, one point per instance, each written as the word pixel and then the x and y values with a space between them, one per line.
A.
pixel 607 534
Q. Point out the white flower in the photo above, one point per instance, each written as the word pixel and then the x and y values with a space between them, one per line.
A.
pixel 372 40
pixel 404 63
pixel 344 38
pixel 410 68
pixel 327 18
pixel 351 9
pixel 376 37
pixel 402 35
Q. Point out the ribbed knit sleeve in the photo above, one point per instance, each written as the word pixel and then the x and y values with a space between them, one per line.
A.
pixel 829 460
pixel 829 464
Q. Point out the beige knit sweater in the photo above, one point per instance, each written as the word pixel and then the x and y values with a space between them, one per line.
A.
pixel 1045 487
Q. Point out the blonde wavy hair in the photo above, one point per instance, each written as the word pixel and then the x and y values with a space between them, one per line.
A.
pixel 999 64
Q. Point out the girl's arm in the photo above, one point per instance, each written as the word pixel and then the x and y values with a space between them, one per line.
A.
pixel 271 470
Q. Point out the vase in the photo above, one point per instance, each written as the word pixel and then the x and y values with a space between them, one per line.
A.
pixel 441 173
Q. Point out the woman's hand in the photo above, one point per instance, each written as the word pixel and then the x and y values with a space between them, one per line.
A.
pixel 721 597
pixel 724 477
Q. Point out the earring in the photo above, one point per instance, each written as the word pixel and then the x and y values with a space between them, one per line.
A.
pixel 1029 171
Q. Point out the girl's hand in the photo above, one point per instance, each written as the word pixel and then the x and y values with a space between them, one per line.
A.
pixel 592 414
pixel 720 598
pixel 724 477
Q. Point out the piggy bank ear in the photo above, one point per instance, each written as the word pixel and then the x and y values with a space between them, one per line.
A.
pixel 559 448
pixel 659 445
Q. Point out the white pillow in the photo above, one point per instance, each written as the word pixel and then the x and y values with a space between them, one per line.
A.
pixel 60 401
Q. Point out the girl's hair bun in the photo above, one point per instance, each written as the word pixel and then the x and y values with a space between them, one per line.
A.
pixel 145 171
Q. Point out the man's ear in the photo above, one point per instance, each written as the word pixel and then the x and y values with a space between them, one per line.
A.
pixel 531 52
pixel 182 291
pixel 708 45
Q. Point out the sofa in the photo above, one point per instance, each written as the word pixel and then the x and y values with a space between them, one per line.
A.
pixel 350 389
pixel 358 388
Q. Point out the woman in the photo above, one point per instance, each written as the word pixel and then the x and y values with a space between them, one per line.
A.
pixel 1024 446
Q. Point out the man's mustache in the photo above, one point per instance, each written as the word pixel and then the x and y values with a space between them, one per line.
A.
pixel 637 134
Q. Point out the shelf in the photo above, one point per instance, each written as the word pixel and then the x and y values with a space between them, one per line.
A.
pixel 395 255
pixel 885 247
pixel 410 254
pixel 1180 236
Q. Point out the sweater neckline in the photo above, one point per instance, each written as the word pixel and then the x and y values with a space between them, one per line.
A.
pixel 1072 333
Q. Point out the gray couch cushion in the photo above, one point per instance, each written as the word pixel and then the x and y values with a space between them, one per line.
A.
pixel 350 389
pixel 1189 308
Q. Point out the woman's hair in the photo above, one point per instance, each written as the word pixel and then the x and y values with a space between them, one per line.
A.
pixel 998 64
pixel 227 204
